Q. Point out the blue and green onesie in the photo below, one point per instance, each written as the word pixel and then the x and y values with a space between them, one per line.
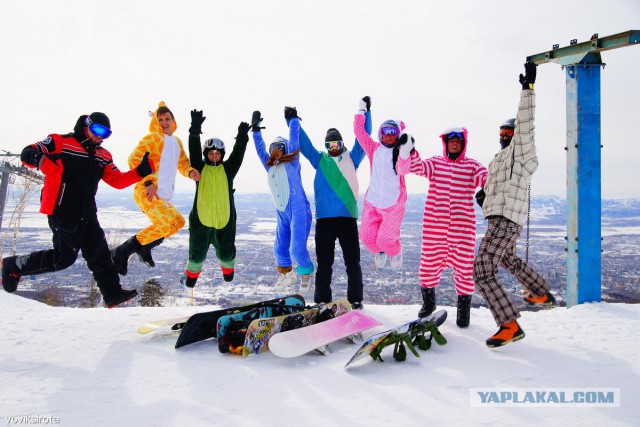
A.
pixel 336 197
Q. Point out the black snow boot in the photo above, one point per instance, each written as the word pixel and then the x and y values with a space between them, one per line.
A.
pixel 144 252
pixel 464 311
pixel 10 274
pixel 120 254
pixel 429 305
pixel 121 297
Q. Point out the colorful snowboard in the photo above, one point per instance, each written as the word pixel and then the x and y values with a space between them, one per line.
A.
pixel 261 330
pixel 231 329
pixel 157 324
pixel 300 341
pixel 375 343
pixel 202 326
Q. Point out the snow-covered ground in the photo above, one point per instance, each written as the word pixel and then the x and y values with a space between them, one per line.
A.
pixel 89 367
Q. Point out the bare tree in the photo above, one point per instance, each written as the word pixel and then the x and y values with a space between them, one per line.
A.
pixel 26 189
pixel 51 296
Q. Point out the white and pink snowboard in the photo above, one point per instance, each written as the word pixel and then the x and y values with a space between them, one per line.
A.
pixel 300 341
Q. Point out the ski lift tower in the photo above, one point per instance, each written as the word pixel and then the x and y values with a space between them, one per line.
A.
pixel 582 63
pixel 6 170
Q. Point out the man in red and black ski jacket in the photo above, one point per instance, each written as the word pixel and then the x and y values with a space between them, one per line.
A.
pixel 73 165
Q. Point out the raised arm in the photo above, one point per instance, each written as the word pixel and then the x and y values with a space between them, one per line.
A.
pixel 308 150
pixel 195 143
pixel 239 149
pixel 357 153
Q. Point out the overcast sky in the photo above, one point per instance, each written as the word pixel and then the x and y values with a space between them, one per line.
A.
pixel 432 64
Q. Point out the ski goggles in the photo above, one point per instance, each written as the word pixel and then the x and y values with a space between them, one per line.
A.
pixel 389 130
pixel 276 146
pixel 334 145
pixel 506 133
pixel 452 135
pixel 97 129
pixel 214 143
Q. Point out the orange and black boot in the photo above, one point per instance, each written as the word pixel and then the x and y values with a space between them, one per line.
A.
pixel 509 332
pixel 546 299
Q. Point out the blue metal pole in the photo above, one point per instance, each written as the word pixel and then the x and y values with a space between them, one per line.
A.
pixel 584 194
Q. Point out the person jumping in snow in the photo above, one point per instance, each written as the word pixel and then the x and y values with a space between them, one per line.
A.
pixel 449 222
pixel 386 197
pixel 292 207
pixel 212 220
pixel 153 195
pixel 504 203
pixel 336 195
pixel 73 164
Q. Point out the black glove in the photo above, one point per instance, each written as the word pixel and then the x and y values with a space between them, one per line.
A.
pixel 243 132
pixel 144 168
pixel 367 101
pixel 403 138
pixel 196 122
pixel 480 195
pixel 31 156
pixel 256 121
pixel 529 77
pixel 290 113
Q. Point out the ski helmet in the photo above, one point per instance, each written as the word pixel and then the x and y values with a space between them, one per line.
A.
pixel 213 144
pixel 508 124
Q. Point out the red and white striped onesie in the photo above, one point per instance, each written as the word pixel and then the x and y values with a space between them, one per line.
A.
pixel 449 224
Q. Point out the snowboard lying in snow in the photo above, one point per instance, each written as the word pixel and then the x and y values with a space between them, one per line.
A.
pixel 412 334
pixel 202 326
pixel 300 341
pixel 260 331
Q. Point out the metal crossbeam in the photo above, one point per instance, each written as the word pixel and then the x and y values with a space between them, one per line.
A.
pixel 576 52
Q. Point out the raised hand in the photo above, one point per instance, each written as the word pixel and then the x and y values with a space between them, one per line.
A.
pixel 529 78
pixel 196 122
pixel 290 113
pixel 256 121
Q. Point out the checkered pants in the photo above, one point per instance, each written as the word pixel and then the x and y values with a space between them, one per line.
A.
pixel 498 248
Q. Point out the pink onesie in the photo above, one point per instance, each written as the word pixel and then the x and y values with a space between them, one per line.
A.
pixel 449 224
pixel 385 200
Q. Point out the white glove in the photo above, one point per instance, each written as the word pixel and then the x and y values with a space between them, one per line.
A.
pixel 362 107
pixel 407 144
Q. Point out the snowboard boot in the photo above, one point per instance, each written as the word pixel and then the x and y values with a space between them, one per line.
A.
pixel 227 274
pixel 429 302
pixel 509 332
pixel 120 254
pixel 144 252
pixel 121 297
pixel 10 275
pixel 547 299
pixel 380 260
pixel 357 305
pixel 464 311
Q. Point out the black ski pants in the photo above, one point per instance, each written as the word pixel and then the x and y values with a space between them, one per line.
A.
pixel 70 236
pixel 345 230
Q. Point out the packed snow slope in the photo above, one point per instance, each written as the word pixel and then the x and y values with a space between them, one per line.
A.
pixel 89 367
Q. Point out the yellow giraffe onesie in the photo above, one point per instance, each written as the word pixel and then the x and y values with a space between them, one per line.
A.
pixel 166 220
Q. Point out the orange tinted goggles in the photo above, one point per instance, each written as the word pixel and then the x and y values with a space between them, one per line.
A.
pixel 506 133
